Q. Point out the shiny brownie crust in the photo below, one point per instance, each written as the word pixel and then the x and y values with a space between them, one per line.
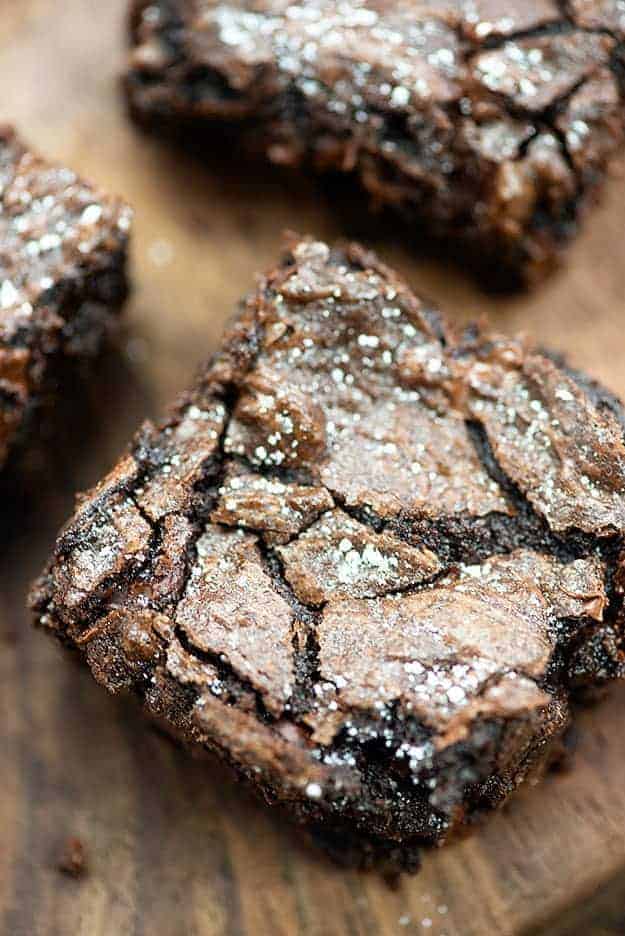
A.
pixel 488 124
pixel 366 560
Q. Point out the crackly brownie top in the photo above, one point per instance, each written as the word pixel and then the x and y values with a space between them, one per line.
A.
pixel 522 98
pixel 55 231
pixel 395 53
pixel 356 520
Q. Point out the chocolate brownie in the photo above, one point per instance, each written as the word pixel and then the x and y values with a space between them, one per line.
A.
pixel 365 560
pixel 62 275
pixel 488 123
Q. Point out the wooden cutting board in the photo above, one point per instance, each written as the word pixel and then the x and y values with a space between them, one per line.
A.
pixel 173 848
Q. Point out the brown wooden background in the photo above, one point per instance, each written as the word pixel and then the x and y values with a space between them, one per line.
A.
pixel 173 848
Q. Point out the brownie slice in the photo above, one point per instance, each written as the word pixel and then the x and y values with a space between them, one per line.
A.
pixel 62 275
pixel 487 123
pixel 366 561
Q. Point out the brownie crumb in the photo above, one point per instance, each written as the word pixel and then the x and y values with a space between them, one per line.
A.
pixel 73 859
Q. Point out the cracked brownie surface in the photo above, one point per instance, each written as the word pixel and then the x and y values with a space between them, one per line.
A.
pixel 488 123
pixel 62 274
pixel 365 560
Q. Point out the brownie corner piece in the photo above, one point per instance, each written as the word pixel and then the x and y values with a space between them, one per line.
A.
pixel 489 124
pixel 62 275
pixel 365 562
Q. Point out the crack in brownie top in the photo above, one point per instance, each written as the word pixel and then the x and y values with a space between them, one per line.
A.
pixel 61 271
pixel 270 568
pixel 490 120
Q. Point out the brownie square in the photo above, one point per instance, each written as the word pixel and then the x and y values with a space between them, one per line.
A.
pixel 367 561
pixel 487 124
pixel 62 276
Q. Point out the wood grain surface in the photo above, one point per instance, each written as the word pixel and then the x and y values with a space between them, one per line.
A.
pixel 172 847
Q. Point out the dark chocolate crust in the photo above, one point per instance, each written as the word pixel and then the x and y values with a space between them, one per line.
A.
pixel 365 560
pixel 62 275
pixel 489 123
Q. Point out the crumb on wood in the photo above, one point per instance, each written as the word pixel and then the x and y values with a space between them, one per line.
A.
pixel 72 859
pixel 392 879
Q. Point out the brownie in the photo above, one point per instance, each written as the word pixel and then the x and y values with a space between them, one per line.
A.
pixel 488 124
pixel 367 561
pixel 62 276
